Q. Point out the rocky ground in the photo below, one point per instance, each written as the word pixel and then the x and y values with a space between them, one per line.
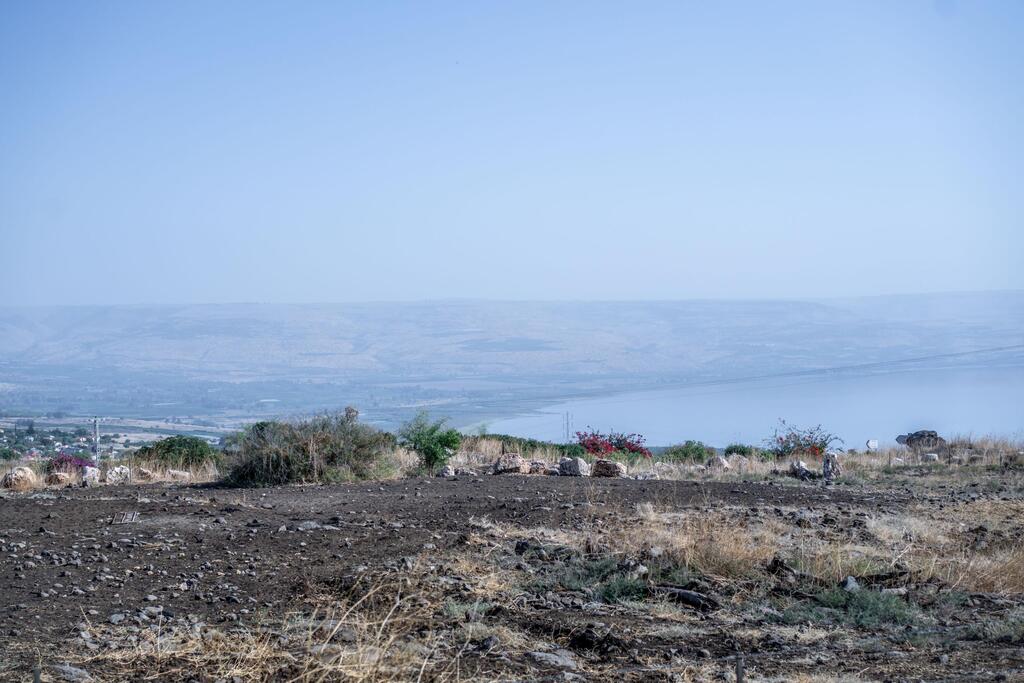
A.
pixel 514 577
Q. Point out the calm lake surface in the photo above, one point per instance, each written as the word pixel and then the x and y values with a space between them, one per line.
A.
pixel 986 401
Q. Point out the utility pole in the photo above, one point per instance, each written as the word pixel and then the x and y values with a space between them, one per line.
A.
pixel 96 441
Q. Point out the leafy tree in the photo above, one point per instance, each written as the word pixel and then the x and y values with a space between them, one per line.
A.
pixel 430 440
pixel 7 453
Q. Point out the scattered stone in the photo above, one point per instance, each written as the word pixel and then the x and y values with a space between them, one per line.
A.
pixel 850 585
pixel 538 467
pixel 930 457
pixel 446 471
pixel 718 463
pixel 511 463
pixel 19 479
pixel 798 469
pixel 647 475
pixel 72 673
pixel 608 468
pixel 923 440
pixel 573 467
pixel 179 475
pixel 562 659
pixel 116 618
pixel 118 475
pixel 58 479
pixel 90 476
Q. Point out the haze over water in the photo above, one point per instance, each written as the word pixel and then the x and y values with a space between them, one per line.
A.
pixel 981 401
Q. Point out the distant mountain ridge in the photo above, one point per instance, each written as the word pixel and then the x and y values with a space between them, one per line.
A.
pixel 468 357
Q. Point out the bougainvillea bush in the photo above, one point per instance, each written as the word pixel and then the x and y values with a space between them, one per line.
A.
pixel 65 462
pixel 598 444
pixel 789 441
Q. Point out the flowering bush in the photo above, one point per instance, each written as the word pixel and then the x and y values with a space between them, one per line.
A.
pixel 792 441
pixel 65 462
pixel 596 443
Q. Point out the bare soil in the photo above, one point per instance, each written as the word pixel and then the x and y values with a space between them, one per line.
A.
pixel 77 585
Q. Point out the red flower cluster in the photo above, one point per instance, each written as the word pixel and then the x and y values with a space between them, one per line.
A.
pixel 596 443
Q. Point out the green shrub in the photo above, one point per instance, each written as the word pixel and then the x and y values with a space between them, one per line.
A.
pixel 740 449
pixel 691 451
pixel 326 448
pixel 182 452
pixel 863 608
pixel 7 454
pixel 430 440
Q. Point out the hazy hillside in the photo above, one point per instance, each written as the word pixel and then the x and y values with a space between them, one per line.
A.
pixel 471 357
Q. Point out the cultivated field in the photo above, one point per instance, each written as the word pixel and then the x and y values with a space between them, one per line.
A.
pixel 524 577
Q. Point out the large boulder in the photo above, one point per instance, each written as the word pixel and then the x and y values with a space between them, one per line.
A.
pixel 608 468
pixel 511 463
pixel 923 440
pixel 573 467
pixel 446 471
pixel 930 457
pixel 118 475
pixel 19 479
pixel 58 478
pixel 90 476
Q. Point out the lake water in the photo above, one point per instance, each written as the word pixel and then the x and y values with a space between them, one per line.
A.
pixel 987 401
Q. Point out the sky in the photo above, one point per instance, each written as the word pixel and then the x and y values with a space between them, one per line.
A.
pixel 194 152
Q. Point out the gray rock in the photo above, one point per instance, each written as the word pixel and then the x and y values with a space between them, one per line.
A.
pixel 562 659
pixel 850 585
pixel 573 467
pixel 72 673
pixel 116 618
pixel 930 457
pixel 446 471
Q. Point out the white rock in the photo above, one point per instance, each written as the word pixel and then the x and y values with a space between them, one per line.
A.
pixel 573 467
pixel 90 476
pixel 179 475
pixel 118 475
pixel 930 457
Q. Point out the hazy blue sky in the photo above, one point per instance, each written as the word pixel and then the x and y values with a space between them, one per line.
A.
pixel 330 151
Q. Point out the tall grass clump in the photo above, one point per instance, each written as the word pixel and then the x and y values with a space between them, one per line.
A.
pixel 324 448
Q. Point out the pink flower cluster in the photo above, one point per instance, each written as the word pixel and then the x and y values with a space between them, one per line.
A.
pixel 596 443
